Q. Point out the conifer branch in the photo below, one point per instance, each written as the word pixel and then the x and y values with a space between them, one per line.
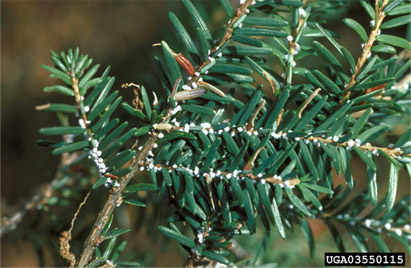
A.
pixel 9 223
pixel 243 9
pixel 114 198
pixel 112 202
pixel 230 157
pixel 250 130
pixel 366 53
pixel 238 174
pixel 293 45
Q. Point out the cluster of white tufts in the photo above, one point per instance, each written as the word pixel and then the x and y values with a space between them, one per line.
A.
pixel 200 236
pixel 286 184
pixel 185 87
pixel 99 161
pixel 398 231
pixel 176 110
pixel 211 173
pixel 289 59
pixel 353 143
pixel 94 153
pixel 207 129
pixel 368 223
pixel 297 49
pixel 82 123
pixel 387 226
pixel 302 12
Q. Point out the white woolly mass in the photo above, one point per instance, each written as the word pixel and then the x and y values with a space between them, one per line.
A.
pixel 302 12
pixel 368 223
pixel 205 125
pixel 351 143
pixel 387 226
pixel 200 237
pixel 186 128
pixel 398 231
pixel 108 183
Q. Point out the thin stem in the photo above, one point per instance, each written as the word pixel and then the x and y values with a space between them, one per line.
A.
pixel 293 46
pixel 363 223
pixel 194 260
pixel 392 152
pixel 379 17
pixel 112 202
pixel 226 38
pixel 9 223
pixel 271 180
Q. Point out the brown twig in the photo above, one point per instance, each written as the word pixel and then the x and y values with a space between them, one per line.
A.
pixel 103 217
pixel 256 113
pixel 307 101
pixel 9 223
pixel 65 251
pixel 111 204
pixel 78 99
pixel 392 152
pixel 272 180
pixel 66 236
pixel 115 197
pixel 78 211
pixel 250 163
pixel 379 17
pixel 279 117
pixel 227 36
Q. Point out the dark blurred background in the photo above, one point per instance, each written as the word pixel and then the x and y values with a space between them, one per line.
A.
pixel 116 33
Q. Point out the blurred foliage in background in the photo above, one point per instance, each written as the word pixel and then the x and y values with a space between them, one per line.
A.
pixel 120 34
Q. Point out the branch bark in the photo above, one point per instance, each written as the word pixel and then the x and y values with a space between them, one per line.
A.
pixel 112 202
pixel 9 223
